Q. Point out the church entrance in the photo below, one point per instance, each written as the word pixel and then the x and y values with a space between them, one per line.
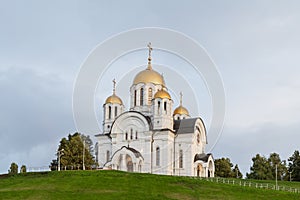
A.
pixel 199 170
pixel 129 163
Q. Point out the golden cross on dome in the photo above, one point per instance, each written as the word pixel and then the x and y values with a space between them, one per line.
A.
pixel 150 49
pixel 149 58
pixel 114 89
pixel 181 98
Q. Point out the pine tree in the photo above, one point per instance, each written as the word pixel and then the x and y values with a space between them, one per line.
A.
pixel 294 166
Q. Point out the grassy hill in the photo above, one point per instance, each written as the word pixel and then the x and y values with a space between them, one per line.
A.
pixel 121 185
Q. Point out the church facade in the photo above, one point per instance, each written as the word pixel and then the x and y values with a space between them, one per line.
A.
pixel 151 137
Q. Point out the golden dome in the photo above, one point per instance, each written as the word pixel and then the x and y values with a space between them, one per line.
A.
pixel 162 94
pixel 181 111
pixel 114 99
pixel 149 76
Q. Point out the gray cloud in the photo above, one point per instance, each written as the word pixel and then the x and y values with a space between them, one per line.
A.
pixel 35 114
pixel 255 44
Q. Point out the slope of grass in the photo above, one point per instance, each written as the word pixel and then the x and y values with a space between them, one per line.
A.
pixel 121 185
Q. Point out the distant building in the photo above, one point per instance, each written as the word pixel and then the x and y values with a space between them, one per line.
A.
pixel 152 137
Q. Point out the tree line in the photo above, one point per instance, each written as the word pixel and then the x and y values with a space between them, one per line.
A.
pixel 14 169
pixel 262 168
pixel 74 152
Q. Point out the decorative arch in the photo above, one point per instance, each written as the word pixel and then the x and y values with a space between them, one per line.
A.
pixel 199 127
pixel 128 120
pixel 127 159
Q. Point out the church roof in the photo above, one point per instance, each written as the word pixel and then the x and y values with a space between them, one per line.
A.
pixel 134 151
pixel 185 125
pixel 203 156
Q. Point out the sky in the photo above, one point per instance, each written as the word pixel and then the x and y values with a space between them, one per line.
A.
pixel 254 44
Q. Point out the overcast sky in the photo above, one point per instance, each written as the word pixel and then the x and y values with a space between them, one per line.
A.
pixel 255 44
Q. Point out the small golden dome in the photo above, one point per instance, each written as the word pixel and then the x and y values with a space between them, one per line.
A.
pixel 162 94
pixel 149 76
pixel 114 99
pixel 181 111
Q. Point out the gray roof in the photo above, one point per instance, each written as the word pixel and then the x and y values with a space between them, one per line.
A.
pixel 204 157
pixel 134 151
pixel 185 125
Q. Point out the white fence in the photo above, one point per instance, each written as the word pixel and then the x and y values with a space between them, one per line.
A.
pixel 244 183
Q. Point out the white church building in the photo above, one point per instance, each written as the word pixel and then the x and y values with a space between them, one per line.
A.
pixel 152 137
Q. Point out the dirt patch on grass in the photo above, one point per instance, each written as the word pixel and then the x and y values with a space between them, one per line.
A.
pixel 179 196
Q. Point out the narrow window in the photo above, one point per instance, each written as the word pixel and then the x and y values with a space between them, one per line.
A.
pixel 157 156
pixel 149 96
pixel 107 156
pixel 136 135
pixel 134 97
pixel 126 136
pixel 165 106
pixel 141 96
pixel 180 159
pixel 109 112
pixel 116 111
pixel 158 106
pixel 131 134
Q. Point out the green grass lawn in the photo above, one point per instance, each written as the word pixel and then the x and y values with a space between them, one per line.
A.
pixel 120 185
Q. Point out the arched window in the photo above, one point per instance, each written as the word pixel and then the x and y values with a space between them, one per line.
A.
pixel 180 159
pixel 134 98
pixel 165 106
pixel 141 96
pixel 136 135
pixel 109 112
pixel 131 134
pixel 149 96
pixel 126 136
pixel 116 111
pixel 157 156
pixel 107 156
pixel 158 107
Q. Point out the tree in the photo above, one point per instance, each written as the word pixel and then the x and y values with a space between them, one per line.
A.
pixel 72 149
pixel 53 165
pixel 23 169
pixel 223 167
pixel 274 160
pixel 236 173
pixel 265 169
pixel 13 169
pixel 260 169
pixel 294 166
